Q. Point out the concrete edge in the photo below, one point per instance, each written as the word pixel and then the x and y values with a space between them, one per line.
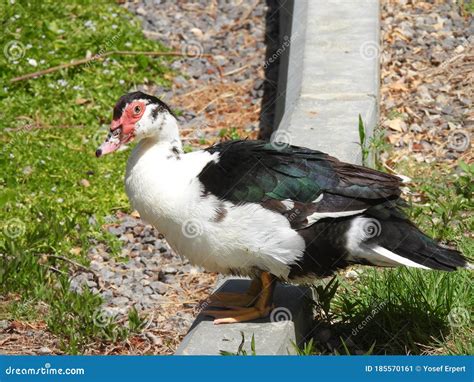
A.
pixel 329 74
pixel 277 334
pixel 332 76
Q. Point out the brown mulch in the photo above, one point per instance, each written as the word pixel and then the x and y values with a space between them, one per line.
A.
pixel 230 100
pixel 427 79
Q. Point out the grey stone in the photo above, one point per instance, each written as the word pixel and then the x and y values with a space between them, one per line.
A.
pixel 115 311
pixel 95 265
pixel 92 220
pixel 170 270
pixel 117 231
pixel 121 300
pixel 107 295
pixel 168 279
pixel 44 350
pixel 147 290
pixel 4 324
pixel 159 287
pixel 129 222
pixel 158 298
pixel 106 274
pixel 141 11
pixel 117 280
pixel 155 340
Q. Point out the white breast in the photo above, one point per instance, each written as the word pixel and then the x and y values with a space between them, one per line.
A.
pixel 219 236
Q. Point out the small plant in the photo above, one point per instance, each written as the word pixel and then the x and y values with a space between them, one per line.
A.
pixel 372 145
pixel 363 141
pixel 325 295
pixel 241 350
pixel 135 322
pixel 232 134
pixel 309 348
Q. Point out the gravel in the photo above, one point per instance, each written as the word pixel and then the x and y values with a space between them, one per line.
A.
pixel 427 75
pixel 223 55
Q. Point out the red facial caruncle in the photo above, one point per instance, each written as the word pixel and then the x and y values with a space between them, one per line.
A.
pixel 122 129
pixel 130 116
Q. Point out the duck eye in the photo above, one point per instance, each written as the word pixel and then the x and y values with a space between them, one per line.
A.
pixel 137 109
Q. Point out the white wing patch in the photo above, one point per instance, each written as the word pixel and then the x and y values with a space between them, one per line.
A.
pixel 321 215
pixel 313 218
pixel 318 199
pixel 396 259
pixel 376 255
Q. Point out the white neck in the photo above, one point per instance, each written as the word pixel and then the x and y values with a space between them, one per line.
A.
pixel 167 132
pixel 159 129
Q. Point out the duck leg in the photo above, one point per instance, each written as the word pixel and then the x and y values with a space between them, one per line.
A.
pixel 226 299
pixel 261 308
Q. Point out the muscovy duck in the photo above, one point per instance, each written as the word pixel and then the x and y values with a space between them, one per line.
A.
pixel 262 210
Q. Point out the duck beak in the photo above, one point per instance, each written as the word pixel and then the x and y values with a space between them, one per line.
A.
pixel 113 141
pixel 121 132
pixel 109 146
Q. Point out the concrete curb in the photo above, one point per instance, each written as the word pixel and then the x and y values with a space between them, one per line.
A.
pixel 328 75
pixel 331 75
pixel 287 325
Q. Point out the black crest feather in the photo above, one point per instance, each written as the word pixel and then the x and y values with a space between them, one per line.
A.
pixel 130 97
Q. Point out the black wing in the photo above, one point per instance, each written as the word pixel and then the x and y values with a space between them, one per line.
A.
pixel 259 172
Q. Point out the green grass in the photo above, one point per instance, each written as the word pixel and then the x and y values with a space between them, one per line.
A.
pixel 410 311
pixel 54 193
pixel 467 5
